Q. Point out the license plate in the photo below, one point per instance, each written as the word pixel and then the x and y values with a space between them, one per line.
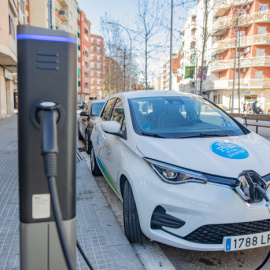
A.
pixel 246 241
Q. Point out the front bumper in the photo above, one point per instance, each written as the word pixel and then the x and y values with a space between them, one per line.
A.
pixel 209 212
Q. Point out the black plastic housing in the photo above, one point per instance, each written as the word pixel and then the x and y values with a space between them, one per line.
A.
pixel 47 70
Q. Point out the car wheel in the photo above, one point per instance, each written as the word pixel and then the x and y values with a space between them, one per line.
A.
pixel 131 220
pixel 87 143
pixel 93 162
pixel 80 135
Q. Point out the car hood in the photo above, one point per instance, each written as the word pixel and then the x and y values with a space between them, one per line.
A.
pixel 226 156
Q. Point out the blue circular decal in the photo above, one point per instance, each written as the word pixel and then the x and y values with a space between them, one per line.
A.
pixel 229 150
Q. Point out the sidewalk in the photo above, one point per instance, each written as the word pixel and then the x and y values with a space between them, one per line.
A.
pixel 97 228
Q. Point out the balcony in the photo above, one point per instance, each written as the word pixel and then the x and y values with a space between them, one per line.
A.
pixel 86 59
pixel 63 14
pixel 87 69
pixel 86 80
pixel 79 89
pixel 245 62
pixel 64 3
pixel 86 49
pixel 244 84
pixel 260 39
pixel 86 90
pixel 246 19
pixel 220 7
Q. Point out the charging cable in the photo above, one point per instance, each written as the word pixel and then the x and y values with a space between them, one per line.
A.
pixel 48 115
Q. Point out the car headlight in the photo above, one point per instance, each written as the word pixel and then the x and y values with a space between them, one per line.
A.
pixel 175 175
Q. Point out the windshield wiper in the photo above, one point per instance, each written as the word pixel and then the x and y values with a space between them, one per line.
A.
pixel 202 135
pixel 152 135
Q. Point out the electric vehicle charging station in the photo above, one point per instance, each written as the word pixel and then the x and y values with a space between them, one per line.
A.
pixel 47 81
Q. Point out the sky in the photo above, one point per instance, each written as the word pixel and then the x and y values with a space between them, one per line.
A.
pixel 121 10
pixel 125 12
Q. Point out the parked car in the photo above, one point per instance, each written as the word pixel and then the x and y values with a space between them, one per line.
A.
pixel 189 174
pixel 86 120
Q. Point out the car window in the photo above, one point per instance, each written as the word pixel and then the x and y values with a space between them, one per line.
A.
pixel 96 108
pixel 118 114
pixel 106 114
pixel 177 116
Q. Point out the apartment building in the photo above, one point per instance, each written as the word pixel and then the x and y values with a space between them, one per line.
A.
pixel 165 76
pixel 84 27
pixel 64 14
pixel 96 66
pixel 253 53
pixel 8 54
pixel 191 50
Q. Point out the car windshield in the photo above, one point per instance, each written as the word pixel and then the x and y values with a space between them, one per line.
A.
pixel 96 108
pixel 180 117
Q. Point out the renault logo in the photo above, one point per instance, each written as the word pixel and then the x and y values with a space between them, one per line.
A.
pixel 248 181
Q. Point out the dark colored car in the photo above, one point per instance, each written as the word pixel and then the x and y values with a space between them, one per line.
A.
pixel 86 120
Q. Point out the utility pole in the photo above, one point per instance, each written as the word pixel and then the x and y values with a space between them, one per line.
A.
pixel 50 14
pixel 235 50
pixel 124 66
pixel 171 40
pixel 204 41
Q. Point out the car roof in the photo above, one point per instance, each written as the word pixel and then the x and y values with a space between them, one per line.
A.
pixel 97 101
pixel 151 93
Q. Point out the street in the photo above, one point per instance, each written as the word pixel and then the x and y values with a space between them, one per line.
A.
pixel 156 255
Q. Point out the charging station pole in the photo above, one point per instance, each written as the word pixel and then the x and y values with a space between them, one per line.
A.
pixel 47 73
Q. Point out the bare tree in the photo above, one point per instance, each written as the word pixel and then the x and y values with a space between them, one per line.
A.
pixel 149 31
pixel 117 66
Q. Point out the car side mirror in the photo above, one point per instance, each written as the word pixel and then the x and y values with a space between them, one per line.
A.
pixel 84 113
pixel 112 127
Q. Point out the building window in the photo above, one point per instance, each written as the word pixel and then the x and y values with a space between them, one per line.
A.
pixel 98 73
pixel 11 27
pixel 98 57
pixel 92 81
pixel 92 57
pixel 261 29
pixel 92 65
pixel 263 8
pixel 260 52
pixel 98 66
pixel 258 74
pixel 92 88
pixel 92 48
pixel 98 49
pixel 92 40
pixel 98 81
pixel 98 41
pixel 92 73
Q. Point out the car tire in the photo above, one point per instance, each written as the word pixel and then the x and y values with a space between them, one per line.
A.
pixel 93 162
pixel 87 143
pixel 131 219
pixel 80 135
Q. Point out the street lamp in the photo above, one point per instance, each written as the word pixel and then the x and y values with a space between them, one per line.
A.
pixel 235 50
pixel 130 50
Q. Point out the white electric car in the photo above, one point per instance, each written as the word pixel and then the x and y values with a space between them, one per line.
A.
pixel 189 174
